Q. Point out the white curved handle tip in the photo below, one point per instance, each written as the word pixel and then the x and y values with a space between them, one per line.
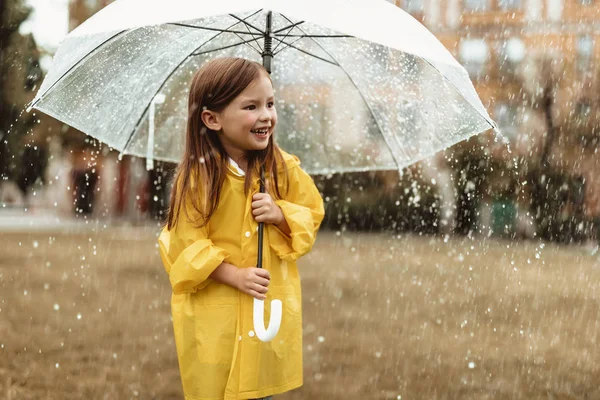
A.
pixel 266 335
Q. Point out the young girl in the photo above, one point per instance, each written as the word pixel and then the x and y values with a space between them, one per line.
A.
pixel 209 246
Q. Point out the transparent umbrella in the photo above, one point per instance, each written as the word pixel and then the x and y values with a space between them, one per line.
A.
pixel 360 85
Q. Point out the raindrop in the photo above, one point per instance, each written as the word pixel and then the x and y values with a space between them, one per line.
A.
pixel 56 307
pixel 471 365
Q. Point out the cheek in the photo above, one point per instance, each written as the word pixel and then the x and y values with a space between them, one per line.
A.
pixel 274 117
pixel 249 119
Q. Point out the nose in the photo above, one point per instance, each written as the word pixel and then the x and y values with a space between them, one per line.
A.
pixel 265 115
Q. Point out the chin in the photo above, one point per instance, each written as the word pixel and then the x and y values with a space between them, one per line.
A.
pixel 262 146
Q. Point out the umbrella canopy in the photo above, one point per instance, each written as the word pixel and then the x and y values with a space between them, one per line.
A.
pixel 359 84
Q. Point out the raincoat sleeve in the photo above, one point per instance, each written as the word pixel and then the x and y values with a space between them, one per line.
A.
pixel 189 256
pixel 303 211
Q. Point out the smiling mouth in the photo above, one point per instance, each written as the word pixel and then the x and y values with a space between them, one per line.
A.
pixel 260 132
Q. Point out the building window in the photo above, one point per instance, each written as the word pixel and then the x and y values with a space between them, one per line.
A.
pixel 533 10
pixel 554 9
pixel 477 5
pixel 414 6
pixel 506 117
pixel 509 5
pixel 474 54
pixel 585 52
pixel 510 53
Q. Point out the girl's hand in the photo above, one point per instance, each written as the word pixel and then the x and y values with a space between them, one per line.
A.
pixel 253 281
pixel 264 209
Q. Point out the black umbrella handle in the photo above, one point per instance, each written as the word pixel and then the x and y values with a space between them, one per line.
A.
pixel 261 225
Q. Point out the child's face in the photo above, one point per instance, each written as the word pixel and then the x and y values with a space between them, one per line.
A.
pixel 248 121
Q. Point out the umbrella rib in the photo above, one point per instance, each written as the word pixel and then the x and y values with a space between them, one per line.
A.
pixel 319 36
pixel 361 95
pixel 215 29
pixel 247 23
pixel 280 42
pixel 288 27
pixel 225 47
pixel 167 78
pixel 260 51
pixel 242 42
pixel 291 28
pixel 493 125
pixel 305 52
pixel 74 65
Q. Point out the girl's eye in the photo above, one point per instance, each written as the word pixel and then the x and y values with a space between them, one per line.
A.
pixel 251 107
pixel 271 104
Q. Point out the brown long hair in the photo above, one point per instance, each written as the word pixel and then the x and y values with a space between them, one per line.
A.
pixel 201 173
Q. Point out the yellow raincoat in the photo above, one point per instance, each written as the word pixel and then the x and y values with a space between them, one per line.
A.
pixel 219 355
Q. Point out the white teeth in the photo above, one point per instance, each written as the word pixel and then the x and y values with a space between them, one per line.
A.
pixel 259 131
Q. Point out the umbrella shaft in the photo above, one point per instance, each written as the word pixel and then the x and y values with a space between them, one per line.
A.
pixel 267 54
pixel 267 63
pixel 261 225
pixel 261 229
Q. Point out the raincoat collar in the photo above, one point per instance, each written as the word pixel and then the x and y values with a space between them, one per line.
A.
pixel 235 168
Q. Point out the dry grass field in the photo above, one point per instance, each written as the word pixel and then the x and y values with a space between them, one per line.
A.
pixel 86 315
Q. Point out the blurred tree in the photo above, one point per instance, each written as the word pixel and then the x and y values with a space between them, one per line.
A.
pixel 380 200
pixel 565 102
pixel 541 76
pixel 21 158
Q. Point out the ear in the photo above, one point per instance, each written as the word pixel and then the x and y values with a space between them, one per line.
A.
pixel 211 120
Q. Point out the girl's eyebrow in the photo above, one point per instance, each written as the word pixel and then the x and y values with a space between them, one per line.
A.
pixel 254 100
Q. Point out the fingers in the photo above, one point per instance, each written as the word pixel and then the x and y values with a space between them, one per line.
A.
pixel 262 207
pixel 263 273
pixel 259 196
pixel 260 210
pixel 262 282
pixel 258 291
pixel 261 199
pixel 260 288
pixel 257 295
pixel 257 282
